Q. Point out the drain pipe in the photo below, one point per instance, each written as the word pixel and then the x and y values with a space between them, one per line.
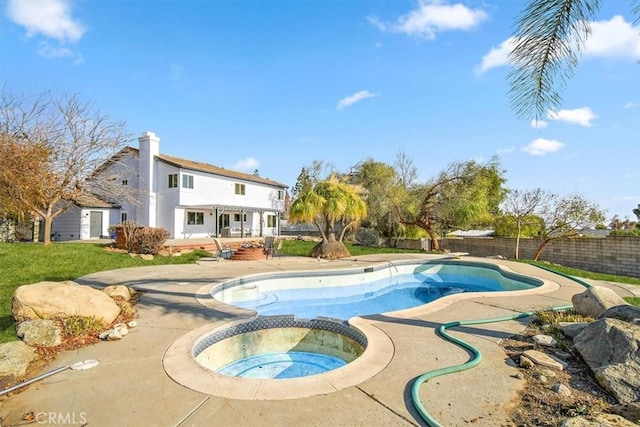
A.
pixel 85 364
pixel 477 356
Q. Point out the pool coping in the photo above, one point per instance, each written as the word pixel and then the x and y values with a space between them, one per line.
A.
pixel 180 364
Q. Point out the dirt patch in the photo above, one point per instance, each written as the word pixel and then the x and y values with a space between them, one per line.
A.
pixel 538 404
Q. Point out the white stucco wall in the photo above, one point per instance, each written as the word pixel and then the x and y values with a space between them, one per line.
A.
pixel 216 189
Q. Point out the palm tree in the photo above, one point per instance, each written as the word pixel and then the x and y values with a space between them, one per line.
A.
pixel 548 39
pixel 329 203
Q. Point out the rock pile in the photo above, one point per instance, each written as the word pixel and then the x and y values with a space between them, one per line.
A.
pixel 37 308
pixel 610 345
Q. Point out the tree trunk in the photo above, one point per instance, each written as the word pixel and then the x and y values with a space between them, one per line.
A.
pixel 539 250
pixel 48 220
pixel 330 249
pixel 517 254
pixel 434 239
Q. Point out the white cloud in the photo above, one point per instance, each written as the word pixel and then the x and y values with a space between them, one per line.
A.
pixel 614 38
pixel 497 56
pixel 51 18
pixel 580 116
pixel 542 146
pixel 246 164
pixel 352 99
pixel 539 124
pixel 630 104
pixel 431 17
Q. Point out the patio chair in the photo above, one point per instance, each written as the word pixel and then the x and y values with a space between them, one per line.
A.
pixel 277 250
pixel 223 251
pixel 269 242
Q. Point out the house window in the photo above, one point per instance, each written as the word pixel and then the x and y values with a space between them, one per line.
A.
pixel 125 182
pixel 271 221
pixel 236 217
pixel 187 181
pixel 239 189
pixel 195 218
pixel 280 195
pixel 173 180
pixel 123 217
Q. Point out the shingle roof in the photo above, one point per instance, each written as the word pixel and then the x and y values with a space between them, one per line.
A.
pixel 208 168
pixel 88 200
pixel 215 170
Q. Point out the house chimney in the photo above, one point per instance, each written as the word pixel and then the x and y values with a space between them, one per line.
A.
pixel 149 145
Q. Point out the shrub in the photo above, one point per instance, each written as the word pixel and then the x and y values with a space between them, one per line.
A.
pixel 75 326
pixel 367 237
pixel 148 240
pixel 626 232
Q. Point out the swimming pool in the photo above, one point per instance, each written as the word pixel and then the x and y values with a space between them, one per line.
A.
pixel 365 291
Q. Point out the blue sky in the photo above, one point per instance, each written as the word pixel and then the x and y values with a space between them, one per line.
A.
pixel 275 84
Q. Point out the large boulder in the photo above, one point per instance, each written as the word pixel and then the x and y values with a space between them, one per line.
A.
pixel 625 312
pixel 595 300
pixel 611 348
pixel 15 358
pixel 40 332
pixel 599 420
pixel 47 300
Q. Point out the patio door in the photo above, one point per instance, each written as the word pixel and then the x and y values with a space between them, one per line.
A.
pixel 223 222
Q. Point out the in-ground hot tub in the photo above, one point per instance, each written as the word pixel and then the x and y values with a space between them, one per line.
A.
pixel 279 347
pixel 278 357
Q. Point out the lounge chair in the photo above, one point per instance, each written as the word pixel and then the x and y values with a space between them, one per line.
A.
pixel 223 250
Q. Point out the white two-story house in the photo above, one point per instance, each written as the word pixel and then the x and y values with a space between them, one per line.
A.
pixel 188 198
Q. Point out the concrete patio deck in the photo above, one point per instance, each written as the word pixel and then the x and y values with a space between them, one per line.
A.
pixel 131 388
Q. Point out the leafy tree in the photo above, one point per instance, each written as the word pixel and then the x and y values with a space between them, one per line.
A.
pixel 566 217
pixel 50 148
pixel 548 38
pixel 383 187
pixel 310 176
pixel 331 202
pixel 520 205
pixel 506 226
pixel 464 195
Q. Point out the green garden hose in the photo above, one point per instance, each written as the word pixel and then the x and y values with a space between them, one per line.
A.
pixel 477 356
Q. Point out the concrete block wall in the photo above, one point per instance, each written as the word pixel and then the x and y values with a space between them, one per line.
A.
pixel 618 255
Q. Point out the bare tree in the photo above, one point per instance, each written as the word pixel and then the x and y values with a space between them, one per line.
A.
pixel 566 217
pixel 51 147
pixel 521 205
pixel 406 170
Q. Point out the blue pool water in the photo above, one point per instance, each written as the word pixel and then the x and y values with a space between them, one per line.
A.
pixel 399 290
pixel 291 364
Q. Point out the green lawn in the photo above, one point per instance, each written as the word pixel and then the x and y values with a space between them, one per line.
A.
pixel 25 263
